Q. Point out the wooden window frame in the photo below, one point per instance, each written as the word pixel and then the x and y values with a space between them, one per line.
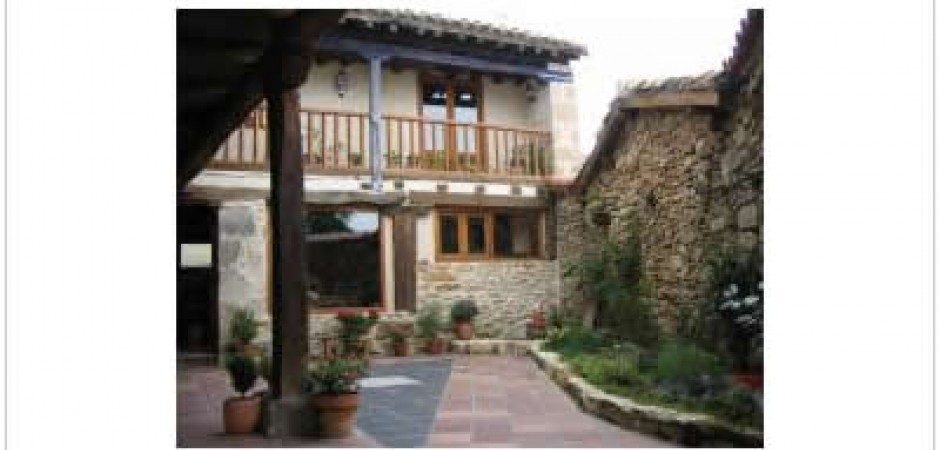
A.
pixel 488 214
pixel 450 135
pixel 383 304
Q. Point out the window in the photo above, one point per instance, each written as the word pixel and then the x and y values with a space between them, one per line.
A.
pixel 458 102
pixel 488 234
pixel 195 255
pixel 343 258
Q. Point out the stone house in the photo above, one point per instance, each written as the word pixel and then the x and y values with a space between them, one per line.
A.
pixel 430 147
pixel 682 159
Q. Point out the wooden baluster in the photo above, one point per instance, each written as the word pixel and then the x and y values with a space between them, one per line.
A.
pixel 348 140
pixel 335 140
pixel 310 138
pixel 387 151
pixel 322 139
pixel 241 145
pixel 401 150
pixel 496 149
pixel 411 141
pixel 362 139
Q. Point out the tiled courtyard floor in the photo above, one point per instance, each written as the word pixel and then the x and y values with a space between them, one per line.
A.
pixel 488 401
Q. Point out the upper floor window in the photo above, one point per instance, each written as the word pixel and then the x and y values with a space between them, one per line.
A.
pixel 459 103
pixel 488 234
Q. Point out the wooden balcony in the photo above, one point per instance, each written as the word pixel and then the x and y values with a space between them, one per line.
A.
pixel 337 142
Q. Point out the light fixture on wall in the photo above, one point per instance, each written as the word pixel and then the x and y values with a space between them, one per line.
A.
pixel 531 90
pixel 342 81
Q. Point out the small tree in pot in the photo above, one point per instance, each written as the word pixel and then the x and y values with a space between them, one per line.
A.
pixel 334 388
pixel 429 326
pixel 242 330
pixel 399 339
pixel 353 327
pixel 241 414
pixel 462 314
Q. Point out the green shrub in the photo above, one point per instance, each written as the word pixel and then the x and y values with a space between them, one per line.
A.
pixel 335 376
pixel 574 340
pixel 429 322
pixel 464 311
pixel 680 360
pixel 606 370
pixel 243 328
pixel 353 326
pixel 741 406
pixel 613 278
pixel 242 372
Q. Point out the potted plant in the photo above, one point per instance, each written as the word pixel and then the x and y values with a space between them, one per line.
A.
pixel 243 329
pixel 462 314
pixel 353 326
pixel 241 414
pixel 399 339
pixel 536 326
pixel 334 388
pixel 429 326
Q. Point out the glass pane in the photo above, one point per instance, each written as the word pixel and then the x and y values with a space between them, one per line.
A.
pixel 449 235
pixel 466 110
pixel 195 255
pixel 514 235
pixel 476 239
pixel 434 107
pixel 343 258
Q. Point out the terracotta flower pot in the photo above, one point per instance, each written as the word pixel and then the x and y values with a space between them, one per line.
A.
pixel 241 414
pixel 435 346
pixel 464 330
pixel 336 413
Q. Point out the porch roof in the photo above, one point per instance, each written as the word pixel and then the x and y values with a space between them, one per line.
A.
pixel 389 21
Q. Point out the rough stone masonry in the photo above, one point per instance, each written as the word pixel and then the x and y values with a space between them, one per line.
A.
pixel 683 158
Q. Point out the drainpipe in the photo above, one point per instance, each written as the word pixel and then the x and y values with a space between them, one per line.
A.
pixel 375 120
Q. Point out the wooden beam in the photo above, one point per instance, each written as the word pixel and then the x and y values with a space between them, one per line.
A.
pixel 369 48
pixel 451 199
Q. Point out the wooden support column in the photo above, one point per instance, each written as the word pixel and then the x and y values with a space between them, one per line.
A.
pixel 289 311
pixel 375 120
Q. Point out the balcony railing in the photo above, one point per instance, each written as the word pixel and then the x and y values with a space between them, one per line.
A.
pixel 338 142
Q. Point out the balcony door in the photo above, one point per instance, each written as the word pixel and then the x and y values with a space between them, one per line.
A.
pixel 452 111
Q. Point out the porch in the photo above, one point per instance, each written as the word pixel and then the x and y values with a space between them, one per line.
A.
pixel 337 143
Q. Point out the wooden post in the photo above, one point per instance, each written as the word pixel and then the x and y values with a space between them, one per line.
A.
pixel 375 120
pixel 289 312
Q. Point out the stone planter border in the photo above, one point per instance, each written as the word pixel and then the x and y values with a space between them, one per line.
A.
pixel 689 429
pixel 505 347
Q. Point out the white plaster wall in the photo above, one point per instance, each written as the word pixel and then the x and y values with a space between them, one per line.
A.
pixel 220 181
pixel 564 121
pixel 399 90
pixel 424 237
pixel 505 104
pixel 243 260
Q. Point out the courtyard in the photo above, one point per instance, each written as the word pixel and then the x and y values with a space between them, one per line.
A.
pixel 447 401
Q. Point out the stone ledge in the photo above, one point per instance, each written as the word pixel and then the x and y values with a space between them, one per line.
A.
pixel 505 347
pixel 700 430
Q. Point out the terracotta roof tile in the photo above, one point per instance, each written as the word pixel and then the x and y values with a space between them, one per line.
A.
pixel 437 24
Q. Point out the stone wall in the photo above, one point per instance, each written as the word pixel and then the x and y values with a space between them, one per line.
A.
pixel 243 261
pixel 692 180
pixel 735 197
pixel 654 179
pixel 506 292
